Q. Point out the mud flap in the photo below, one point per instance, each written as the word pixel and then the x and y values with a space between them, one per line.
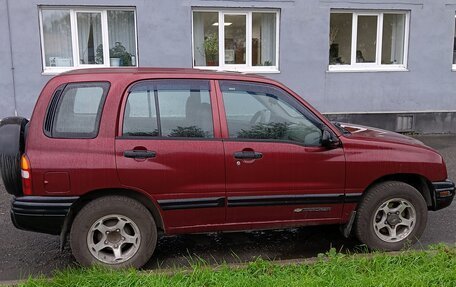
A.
pixel 64 232
pixel 346 229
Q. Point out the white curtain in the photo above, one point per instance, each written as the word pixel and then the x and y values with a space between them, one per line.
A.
pixel 398 39
pixel 89 37
pixel 268 38
pixel 121 27
pixel 198 34
pixel 58 49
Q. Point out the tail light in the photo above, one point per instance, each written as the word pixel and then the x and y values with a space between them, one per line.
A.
pixel 26 173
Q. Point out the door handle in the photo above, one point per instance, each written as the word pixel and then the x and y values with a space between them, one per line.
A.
pixel 139 154
pixel 248 155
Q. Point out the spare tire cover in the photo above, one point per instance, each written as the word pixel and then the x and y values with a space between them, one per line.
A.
pixel 12 146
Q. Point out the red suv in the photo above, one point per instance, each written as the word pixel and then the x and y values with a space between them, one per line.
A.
pixel 115 157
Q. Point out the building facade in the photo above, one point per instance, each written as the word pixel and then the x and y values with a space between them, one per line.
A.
pixel 388 64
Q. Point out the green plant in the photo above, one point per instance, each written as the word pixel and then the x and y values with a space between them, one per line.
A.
pixel 211 47
pixel 99 56
pixel 119 51
pixel 409 268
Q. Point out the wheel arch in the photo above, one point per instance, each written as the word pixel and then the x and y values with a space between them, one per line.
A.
pixel 421 183
pixel 145 200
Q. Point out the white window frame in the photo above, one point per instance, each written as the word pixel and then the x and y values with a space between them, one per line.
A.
pixel 377 66
pixel 74 37
pixel 247 67
pixel 453 65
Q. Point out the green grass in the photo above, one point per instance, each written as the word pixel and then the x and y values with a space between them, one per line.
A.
pixel 436 267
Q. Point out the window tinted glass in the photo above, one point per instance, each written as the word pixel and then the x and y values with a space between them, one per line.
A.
pixel 393 39
pixel 140 114
pixel 87 100
pixel 57 43
pixel 366 43
pixel 263 39
pixel 79 110
pixel 184 109
pixel 122 37
pixel 257 111
pixel 340 38
pixel 235 39
pixel 205 39
pixel 90 37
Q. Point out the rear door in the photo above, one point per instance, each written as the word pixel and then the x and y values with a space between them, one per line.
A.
pixel 168 148
pixel 276 168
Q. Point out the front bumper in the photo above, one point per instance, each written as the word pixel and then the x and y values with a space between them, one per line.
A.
pixel 41 213
pixel 443 194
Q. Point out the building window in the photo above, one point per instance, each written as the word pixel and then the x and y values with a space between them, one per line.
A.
pixel 236 40
pixel 368 40
pixel 81 38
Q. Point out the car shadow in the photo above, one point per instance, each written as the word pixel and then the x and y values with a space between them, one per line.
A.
pixel 238 247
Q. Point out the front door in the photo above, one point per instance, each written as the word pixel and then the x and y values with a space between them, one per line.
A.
pixel 168 148
pixel 276 168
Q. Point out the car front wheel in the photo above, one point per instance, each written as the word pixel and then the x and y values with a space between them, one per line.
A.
pixel 391 216
pixel 114 231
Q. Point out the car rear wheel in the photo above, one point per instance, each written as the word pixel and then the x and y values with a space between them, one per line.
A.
pixel 391 216
pixel 114 231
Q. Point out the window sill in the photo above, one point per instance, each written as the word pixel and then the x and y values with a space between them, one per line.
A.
pixel 371 69
pixel 271 70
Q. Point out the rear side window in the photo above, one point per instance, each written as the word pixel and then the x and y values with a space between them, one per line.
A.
pixel 169 108
pixel 75 110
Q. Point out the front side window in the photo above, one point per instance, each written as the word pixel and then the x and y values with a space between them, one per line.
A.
pixel 169 108
pixel 236 40
pixel 73 37
pixel 78 110
pixel 262 112
pixel 367 40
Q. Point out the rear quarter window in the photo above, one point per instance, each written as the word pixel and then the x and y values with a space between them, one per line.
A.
pixel 75 110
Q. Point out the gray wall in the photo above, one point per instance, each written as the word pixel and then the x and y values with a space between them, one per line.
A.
pixel 6 81
pixel 164 40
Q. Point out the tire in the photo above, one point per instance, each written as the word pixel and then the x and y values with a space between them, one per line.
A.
pixel 12 146
pixel 105 215
pixel 379 223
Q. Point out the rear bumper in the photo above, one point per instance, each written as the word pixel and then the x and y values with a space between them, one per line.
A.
pixel 41 213
pixel 443 194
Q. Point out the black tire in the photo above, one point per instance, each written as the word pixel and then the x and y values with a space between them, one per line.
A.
pixel 373 200
pixel 12 146
pixel 105 206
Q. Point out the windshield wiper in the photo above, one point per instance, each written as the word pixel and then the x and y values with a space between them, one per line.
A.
pixel 341 128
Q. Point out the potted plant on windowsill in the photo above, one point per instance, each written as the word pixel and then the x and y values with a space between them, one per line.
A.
pixel 211 49
pixel 119 56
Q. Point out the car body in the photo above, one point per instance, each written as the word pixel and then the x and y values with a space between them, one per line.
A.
pixel 207 164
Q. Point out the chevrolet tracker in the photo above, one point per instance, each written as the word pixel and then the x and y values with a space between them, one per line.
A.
pixel 111 158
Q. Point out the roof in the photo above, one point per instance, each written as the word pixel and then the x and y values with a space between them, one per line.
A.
pixel 152 70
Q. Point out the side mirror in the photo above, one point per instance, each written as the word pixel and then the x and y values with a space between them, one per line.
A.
pixel 328 140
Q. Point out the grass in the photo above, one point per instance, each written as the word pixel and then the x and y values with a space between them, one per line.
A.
pixel 435 267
